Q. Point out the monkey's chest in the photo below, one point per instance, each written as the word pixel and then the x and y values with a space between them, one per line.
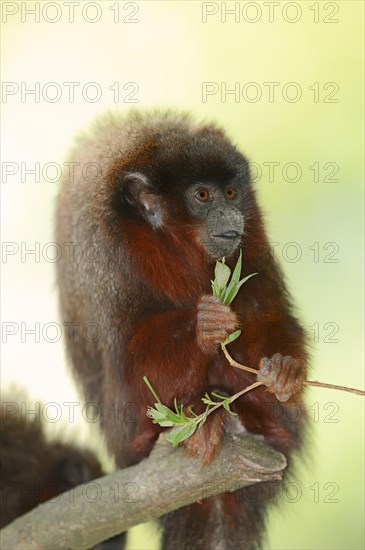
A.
pixel 223 378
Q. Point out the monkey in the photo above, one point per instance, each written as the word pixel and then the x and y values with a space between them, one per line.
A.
pixel 34 470
pixel 154 200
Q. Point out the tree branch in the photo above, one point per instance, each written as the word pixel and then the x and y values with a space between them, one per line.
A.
pixel 167 480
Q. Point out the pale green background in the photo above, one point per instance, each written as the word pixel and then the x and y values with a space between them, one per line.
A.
pixel 169 53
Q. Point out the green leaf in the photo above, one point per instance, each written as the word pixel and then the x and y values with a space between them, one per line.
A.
pixel 221 273
pixel 207 400
pixel 163 413
pixel 221 294
pixel 231 338
pixel 224 397
pixel 226 405
pixel 216 290
pixel 234 281
pixel 146 381
pixel 158 418
pixel 237 270
pixel 235 290
pixel 179 434
pixel 184 418
pixel 192 412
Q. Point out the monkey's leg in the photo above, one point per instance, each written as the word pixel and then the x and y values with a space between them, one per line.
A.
pixel 231 521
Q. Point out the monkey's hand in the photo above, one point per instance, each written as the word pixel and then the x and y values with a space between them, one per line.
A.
pixel 215 322
pixel 283 375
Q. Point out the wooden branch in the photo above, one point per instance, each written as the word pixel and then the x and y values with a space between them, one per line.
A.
pixel 167 480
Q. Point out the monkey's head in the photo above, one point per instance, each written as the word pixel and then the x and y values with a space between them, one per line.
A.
pixel 181 176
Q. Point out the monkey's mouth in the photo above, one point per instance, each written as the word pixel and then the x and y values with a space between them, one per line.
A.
pixel 231 235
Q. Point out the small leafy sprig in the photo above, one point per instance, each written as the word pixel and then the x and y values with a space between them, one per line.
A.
pixel 184 426
pixel 225 289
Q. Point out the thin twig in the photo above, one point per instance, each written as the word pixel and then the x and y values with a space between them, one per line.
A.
pixel 232 398
pixel 332 387
pixel 249 388
pixel 234 363
pixel 315 383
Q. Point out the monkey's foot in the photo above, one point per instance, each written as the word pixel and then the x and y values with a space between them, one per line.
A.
pixel 283 375
pixel 206 441
pixel 141 446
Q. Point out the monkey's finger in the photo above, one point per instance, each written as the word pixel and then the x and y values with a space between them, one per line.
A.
pixel 282 366
pixel 214 309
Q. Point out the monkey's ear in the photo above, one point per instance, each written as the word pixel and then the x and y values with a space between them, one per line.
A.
pixel 138 192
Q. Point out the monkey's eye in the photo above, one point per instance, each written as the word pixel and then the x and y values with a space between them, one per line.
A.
pixel 203 195
pixel 231 193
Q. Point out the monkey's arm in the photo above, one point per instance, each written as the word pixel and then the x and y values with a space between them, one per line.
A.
pixel 278 352
pixel 174 348
pixel 164 348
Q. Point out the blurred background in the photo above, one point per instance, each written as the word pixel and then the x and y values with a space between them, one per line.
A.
pixel 285 79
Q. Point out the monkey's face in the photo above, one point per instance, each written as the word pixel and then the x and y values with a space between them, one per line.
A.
pixel 219 209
